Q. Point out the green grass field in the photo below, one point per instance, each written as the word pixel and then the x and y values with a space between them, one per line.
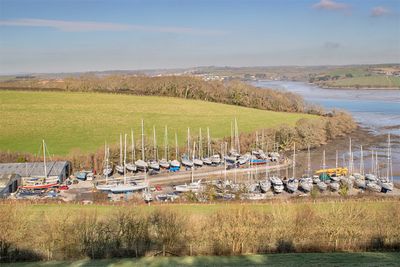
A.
pixel 367 81
pixel 84 121
pixel 294 259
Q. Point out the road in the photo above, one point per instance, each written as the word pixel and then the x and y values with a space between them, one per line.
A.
pixel 204 173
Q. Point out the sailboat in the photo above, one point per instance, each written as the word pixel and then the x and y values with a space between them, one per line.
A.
pixel 348 180
pixel 322 186
pixel 193 186
pixel 359 179
pixel 277 184
pixel 44 183
pixel 197 160
pixel 306 184
pixel 125 187
pixel 175 164
pixel 335 178
pixel 387 182
pixel 372 180
pixel 186 160
pixel 292 184
pixel 153 163
pixel 215 159
pixel 265 185
pixel 120 168
pixel 164 163
pixel 207 160
pixel 131 165
pixel 141 164
pixel 107 171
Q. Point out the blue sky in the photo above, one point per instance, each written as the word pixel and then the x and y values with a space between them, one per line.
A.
pixel 84 35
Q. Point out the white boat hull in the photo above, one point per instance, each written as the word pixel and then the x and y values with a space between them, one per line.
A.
pixel 334 186
pixel 131 167
pixel 322 186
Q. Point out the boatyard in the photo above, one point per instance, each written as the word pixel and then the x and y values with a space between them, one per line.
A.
pixel 199 174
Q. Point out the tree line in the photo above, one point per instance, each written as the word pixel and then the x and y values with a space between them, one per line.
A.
pixel 232 92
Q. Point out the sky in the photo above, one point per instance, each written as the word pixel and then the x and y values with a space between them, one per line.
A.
pixel 39 36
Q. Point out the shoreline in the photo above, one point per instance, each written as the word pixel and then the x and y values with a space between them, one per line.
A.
pixel 331 87
pixel 357 88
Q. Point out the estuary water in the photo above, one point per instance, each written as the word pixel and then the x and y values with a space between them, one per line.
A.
pixel 375 109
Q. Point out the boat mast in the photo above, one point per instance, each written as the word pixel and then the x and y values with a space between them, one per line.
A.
pixel 194 151
pixel 324 163
pixel 294 160
pixel 350 159
pixel 308 161
pixel 237 137
pixel 389 171
pixel 226 148
pixel 125 160
pixel 208 142
pixel 372 162
pixel 154 143
pixel 266 169
pixel 256 140
pixel 262 140
pixel 361 161
pixel 200 145
pixel 176 146
pixel 108 155
pixel 337 160
pixel 133 147
pixel 44 159
pixel 143 154
pixel 188 142
pixel 120 149
pixel 166 143
pixel 376 164
pixel 105 153
pixel 231 136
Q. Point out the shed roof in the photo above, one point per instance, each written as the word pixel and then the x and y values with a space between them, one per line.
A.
pixel 53 168
pixel 5 179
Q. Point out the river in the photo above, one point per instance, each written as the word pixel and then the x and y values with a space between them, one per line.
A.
pixel 375 109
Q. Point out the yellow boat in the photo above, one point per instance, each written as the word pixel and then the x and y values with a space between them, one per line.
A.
pixel 331 171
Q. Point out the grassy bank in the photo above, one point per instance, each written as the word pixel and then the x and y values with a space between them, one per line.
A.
pixel 59 232
pixel 298 259
pixel 365 82
pixel 69 121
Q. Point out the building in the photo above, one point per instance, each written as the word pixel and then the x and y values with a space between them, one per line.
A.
pixel 9 184
pixel 56 170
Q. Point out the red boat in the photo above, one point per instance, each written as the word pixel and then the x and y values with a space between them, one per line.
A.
pixel 39 186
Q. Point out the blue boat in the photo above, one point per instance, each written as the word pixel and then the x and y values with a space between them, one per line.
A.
pixel 81 176
pixel 258 161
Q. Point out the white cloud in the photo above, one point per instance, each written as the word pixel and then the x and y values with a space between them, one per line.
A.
pixel 330 5
pixel 83 26
pixel 379 11
pixel 331 45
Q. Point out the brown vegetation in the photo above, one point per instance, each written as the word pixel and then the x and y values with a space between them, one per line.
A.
pixel 231 230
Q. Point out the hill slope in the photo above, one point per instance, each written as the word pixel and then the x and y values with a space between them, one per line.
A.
pixel 85 120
